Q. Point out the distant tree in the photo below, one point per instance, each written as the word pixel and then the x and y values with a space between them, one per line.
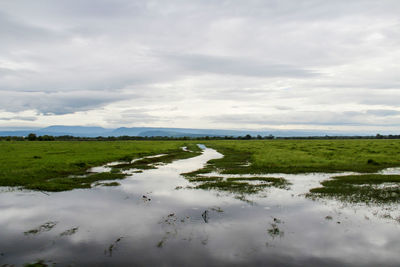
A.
pixel 65 137
pixel 269 137
pixel 247 137
pixel 31 137
pixel 46 138
pixel 259 137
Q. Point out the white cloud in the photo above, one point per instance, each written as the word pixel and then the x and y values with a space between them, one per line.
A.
pixel 228 64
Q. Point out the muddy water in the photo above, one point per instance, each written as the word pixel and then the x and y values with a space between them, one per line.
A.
pixel 151 219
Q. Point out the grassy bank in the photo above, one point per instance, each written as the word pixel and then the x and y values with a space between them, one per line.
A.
pixel 301 156
pixel 47 165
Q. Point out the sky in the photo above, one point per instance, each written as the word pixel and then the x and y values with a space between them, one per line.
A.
pixel 271 64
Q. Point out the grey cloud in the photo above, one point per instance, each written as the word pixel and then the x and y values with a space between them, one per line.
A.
pixel 138 115
pixel 352 118
pixel 6 71
pixel 133 118
pixel 388 99
pixel 345 96
pixel 70 55
pixel 283 108
pixel 18 33
pixel 102 8
pixel 19 118
pixel 237 66
pixel 253 96
pixel 383 112
pixel 383 84
pixel 57 102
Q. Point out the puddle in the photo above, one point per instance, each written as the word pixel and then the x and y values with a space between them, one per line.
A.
pixel 147 221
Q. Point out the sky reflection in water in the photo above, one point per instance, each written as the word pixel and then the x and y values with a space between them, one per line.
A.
pixel 147 221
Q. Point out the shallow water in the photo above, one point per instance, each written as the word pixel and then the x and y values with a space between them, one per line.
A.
pixel 152 219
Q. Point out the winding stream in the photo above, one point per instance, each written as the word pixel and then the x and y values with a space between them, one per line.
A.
pixel 152 219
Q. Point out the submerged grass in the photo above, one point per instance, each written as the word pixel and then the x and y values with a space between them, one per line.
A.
pixel 69 183
pixel 39 263
pixel 47 166
pixel 151 162
pixel 274 231
pixel 109 184
pixel 234 187
pixel 42 228
pixel 268 181
pixel 368 188
pixel 70 231
pixel 251 185
pixel 205 179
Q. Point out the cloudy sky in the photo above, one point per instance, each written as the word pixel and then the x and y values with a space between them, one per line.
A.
pixel 286 64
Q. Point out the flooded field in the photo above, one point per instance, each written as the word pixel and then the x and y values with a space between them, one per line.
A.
pixel 157 217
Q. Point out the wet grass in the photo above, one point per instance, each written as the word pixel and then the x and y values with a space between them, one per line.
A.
pixel 69 183
pixel 241 185
pixel 151 162
pixel 47 166
pixel 302 156
pixel 274 231
pixel 205 179
pixel 233 187
pixel 109 251
pixel 40 263
pixel 368 188
pixel 70 231
pixel 42 228
pixel 268 181
pixel 109 184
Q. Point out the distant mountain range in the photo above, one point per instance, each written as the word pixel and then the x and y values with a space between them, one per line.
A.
pixel 85 131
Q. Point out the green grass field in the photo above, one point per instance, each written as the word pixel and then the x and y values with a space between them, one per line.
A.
pixel 46 165
pixel 302 156
pixel 305 156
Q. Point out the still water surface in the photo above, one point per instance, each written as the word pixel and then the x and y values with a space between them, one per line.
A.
pixel 149 220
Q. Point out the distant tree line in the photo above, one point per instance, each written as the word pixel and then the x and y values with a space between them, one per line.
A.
pixel 34 137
